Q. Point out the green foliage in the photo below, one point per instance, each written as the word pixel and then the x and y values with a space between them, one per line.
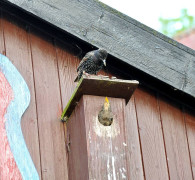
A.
pixel 174 26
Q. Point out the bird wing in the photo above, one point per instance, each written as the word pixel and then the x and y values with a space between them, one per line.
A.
pixel 87 56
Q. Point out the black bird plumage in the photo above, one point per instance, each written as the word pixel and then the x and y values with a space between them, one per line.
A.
pixel 92 62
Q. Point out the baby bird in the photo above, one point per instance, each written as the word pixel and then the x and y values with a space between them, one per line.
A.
pixel 91 63
pixel 105 116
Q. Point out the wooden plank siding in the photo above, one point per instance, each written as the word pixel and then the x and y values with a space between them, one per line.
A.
pixel 2 47
pixel 151 136
pixel 175 140
pixel 160 135
pixel 48 98
pixel 134 155
pixel 18 37
pixel 189 117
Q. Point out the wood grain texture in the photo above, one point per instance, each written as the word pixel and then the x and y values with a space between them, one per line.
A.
pixel 97 151
pixel 77 145
pixel 51 131
pixel 151 137
pixel 134 156
pixel 2 47
pixel 16 39
pixel 67 65
pixel 106 145
pixel 175 141
pixel 190 127
pixel 123 37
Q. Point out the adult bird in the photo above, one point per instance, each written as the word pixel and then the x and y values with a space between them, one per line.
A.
pixel 91 63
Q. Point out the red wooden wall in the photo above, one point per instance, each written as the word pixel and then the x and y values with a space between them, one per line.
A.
pixel 160 134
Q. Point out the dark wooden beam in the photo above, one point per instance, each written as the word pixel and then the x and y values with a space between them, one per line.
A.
pixel 135 45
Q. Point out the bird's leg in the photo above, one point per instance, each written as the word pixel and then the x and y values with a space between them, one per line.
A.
pixel 103 77
pixel 86 74
pixel 98 75
pixel 113 77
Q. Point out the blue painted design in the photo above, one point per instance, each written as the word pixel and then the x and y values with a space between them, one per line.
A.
pixel 13 116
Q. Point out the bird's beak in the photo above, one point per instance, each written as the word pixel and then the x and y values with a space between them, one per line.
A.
pixel 104 61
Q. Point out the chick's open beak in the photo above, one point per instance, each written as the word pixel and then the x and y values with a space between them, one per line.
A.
pixel 104 61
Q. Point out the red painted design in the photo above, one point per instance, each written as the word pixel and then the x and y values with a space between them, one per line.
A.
pixel 8 167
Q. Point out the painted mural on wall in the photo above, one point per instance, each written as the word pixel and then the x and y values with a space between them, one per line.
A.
pixel 15 160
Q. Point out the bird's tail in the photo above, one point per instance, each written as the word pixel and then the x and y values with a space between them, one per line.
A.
pixel 78 77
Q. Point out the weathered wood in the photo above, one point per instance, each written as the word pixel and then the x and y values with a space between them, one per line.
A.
pixel 190 127
pixel 16 38
pixel 104 146
pixel 51 131
pixel 122 36
pixel 2 48
pixel 99 86
pixel 77 145
pixel 134 156
pixel 67 64
pixel 48 98
pixel 151 137
pixel 175 141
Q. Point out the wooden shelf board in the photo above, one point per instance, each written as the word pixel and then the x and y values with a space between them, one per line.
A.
pixel 99 86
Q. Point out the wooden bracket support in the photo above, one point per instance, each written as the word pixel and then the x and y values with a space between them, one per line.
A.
pixel 96 151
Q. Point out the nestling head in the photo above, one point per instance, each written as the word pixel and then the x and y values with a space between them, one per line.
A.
pixel 103 55
pixel 105 116
pixel 106 104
